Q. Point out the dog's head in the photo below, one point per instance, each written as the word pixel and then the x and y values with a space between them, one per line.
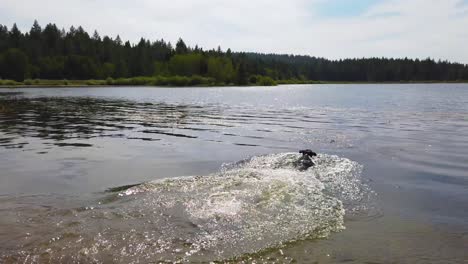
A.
pixel 308 152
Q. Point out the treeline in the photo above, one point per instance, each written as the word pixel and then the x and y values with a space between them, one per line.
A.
pixel 55 54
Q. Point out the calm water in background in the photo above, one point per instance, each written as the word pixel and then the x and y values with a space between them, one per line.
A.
pixel 61 149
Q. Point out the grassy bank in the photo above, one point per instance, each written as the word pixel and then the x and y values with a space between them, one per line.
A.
pixel 178 81
pixel 171 81
pixel 294 81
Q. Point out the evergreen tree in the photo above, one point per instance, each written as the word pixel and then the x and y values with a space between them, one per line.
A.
pixel 51 53
pixel 4 38
pixel 36 30
pixel 96 36
pixel 181 48
pixel 15 37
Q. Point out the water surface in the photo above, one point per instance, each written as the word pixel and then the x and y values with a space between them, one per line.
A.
pixel 129 174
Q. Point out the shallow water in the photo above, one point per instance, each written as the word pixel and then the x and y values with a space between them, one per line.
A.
pixel 390 185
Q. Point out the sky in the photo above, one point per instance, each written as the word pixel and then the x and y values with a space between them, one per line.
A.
pixel 332 29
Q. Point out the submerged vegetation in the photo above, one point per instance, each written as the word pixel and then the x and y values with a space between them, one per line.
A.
pixel 53 56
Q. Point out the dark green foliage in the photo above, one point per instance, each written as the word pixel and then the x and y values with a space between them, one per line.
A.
pixel 108 70
pixel 186 65
pixel 253 79
pixel 161 68
pixel 15 37
pixel 242 74
pixel 305 68
pixel 4 38
pixel 52 54
pixel 51 67
pixel 14 65
pixel 221 69
pixel 80 68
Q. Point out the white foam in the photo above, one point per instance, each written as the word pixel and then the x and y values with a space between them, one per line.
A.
pixel 262 202
pixel 253 205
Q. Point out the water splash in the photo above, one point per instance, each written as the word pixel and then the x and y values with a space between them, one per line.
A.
pixel 249 206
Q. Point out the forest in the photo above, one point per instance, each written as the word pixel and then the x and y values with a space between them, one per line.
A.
pixel 51 53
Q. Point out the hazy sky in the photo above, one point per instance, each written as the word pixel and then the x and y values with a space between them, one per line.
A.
pixel 325 28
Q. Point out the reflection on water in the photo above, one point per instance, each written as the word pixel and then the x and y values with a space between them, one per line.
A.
pixel 61 149
pixel 62 120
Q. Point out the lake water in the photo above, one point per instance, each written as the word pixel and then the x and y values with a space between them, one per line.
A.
pixel 141 174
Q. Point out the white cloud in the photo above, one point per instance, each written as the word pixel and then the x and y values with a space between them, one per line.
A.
pixel 391 28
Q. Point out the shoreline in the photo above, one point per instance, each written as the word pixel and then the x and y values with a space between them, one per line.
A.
pixel 83 84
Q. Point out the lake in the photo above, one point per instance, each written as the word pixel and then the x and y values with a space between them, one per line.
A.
pixel 145 174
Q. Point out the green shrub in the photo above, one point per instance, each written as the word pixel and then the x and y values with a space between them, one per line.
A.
pixel 121 81
pixel 253 79
pixel 178 81
pixel 9 82
pixel 196 80
pixel 210 81
pixel 109 81
pixel 141 81
pixel 159 81
pixel 265 81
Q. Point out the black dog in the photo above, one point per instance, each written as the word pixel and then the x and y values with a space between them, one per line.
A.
pixel 305 161
pixel 308 152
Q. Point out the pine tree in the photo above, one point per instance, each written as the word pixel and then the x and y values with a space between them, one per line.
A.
pixel 35 31
pixel 96 36
pixel 181 48
pixel 15 37
pixel 4 38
